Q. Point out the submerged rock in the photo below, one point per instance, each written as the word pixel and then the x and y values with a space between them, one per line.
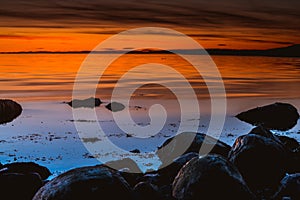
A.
pixel 262 162
pixel 290 188
pixel 85 103
pixel 279 116
pixel 210 177
pixel 115 106
pixel 187 142
pixel 9 110
pixel 91 183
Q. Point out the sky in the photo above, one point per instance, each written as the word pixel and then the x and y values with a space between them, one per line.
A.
pixel 77 25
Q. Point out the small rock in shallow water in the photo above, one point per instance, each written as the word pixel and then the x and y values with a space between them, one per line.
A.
pixel 9 110
pixel 210 177
pixel 85 103
pixel 279 116
pixel 115 106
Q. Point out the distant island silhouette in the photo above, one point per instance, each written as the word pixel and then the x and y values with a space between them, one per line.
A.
pixel 289 51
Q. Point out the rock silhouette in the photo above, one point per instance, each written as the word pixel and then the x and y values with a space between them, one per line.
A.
pixel 210 177
pixel 91 183
pixel 279 116
pixel 262 162
pixel 85 103
pixel 187 142
pixel 21 180
pixel 9 110
pixel 115 106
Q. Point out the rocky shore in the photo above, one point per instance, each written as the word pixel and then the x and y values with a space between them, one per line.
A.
pixel 259 165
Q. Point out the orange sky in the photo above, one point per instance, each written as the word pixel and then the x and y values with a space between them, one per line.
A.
pixel 79 25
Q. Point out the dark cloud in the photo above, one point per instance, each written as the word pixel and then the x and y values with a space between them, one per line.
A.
pixel 188 13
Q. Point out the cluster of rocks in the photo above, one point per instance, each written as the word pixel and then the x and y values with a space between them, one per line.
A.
pixel 95 102
pixel 259 165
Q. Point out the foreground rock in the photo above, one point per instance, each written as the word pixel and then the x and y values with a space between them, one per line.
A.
pixel 290 188
pixel 261 161
pixel 190 142
pixel 128 169
pixel 279 116
pixel 26 168
pixel 115 106
pixel 85 103
pixel 91 183
pixel 21 180
pixel 9 110
pixel 146 191
pixel 210 177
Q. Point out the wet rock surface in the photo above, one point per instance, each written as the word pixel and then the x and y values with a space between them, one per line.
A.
pixel 187 142
pixel 9 110
pixel 289 188
pixel 90 183
pixel 210 177
pixel 261 161
pixel 279 116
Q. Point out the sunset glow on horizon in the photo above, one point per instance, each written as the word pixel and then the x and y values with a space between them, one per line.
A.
pixel 80 26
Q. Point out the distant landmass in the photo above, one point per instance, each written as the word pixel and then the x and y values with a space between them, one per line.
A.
pixel 290 51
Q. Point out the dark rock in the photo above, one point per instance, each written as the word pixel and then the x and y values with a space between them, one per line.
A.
pixel 210 177
pixel 187 142
pixel 135 151
pixel 115 106
pixel 260 130
pixel 146 191
pixel 19 186
pixel 167 174
pixel 9 110
pixel 290 188
pixel 293 147
pixel 91 183
pixel 261 161
pixel 26 168
pixel 128 169
pixel 85 103
pixel 279 116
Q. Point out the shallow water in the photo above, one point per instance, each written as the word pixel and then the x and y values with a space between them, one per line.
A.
pixel 45 132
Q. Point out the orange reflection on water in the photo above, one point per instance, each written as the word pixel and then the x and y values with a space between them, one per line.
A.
pixel 51 76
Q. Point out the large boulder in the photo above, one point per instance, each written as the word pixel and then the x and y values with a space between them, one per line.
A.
pixel 9 110
pixel 291 145
pixel 85 103
pixel 96 182
pixel 262 162
pixel 210 177
pixel 187 142
pixel 279 116
pixel 290 188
